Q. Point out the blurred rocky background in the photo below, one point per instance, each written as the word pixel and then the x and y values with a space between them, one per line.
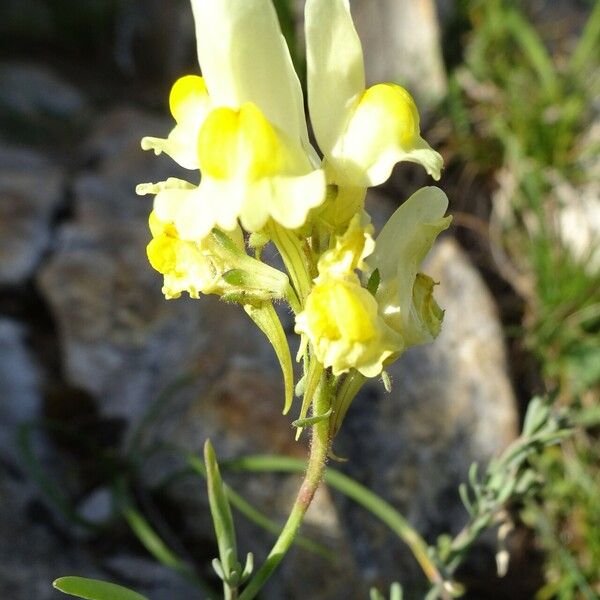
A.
pixel 100 376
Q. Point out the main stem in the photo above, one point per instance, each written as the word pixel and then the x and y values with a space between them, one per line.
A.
pixel 314 475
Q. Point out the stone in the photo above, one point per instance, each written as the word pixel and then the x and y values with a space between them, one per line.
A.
pixel 31 555
pixel 31 192
pixel 31 91
pixel 401 41
pixel 146 576
pixel 19 382
pixel 107 190
pixel 451 404
pixel 241 413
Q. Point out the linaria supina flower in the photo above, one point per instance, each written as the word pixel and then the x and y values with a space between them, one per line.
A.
pixel 341 318
pixel 362 132
pixel 242 125
pixel 352 327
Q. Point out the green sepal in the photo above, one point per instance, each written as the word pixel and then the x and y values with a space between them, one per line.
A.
pixel 313 378
pixel 312 420
pixel 268 322
pixel 351 385
pixel 94 589
pixel 374 281
pixel 221 514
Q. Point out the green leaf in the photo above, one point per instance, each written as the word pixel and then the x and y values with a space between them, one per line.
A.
pixel 94 589
pixel 268 322
pixel 152 542
pixel 220 511
pixel 256 516
pixel 588 42
pixel 351 385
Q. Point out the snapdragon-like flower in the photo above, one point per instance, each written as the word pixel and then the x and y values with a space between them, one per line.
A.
pixel 341 318
pixel 362 132
pixel 191 267
pixel 242 125
pixel 404 295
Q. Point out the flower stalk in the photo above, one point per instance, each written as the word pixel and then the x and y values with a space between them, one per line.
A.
pixel 315 471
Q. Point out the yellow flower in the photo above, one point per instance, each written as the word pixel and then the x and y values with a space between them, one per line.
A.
pixel 404 295
pixel 340 317
pixel 350 249
pixel 251 172
pixel 190 267
pixel 362 132
pixel 341 321
pixel 242 125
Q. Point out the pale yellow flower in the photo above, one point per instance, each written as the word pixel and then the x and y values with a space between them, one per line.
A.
pixel 242 125
pixel 362 132
pixel 341 318
pixel 191 267
pixel 189 104
pixel 342 323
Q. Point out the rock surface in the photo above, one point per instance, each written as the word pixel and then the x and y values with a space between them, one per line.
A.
pixel 32 91
pixel 31 191
pixel 401 40
pixel 19 385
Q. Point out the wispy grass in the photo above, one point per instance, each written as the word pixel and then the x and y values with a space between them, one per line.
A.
pixel 523 115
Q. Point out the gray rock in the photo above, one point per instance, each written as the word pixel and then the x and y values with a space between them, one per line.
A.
pixel 146 576
pixel 31 91
pixel 122 341
pixel 451 404
pixel 107 192
pixel 31 191
pixel 401 41
pixel 19 382
pixel 32 556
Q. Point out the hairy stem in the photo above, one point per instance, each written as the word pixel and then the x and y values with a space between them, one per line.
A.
pixel 314 475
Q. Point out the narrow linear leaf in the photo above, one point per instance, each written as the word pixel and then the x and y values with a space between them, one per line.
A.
pixel 220 511
pixel 268 322
pixel 256 516
pixel 94 589
pixel 152 542
pixel 355 491
pixel 348 390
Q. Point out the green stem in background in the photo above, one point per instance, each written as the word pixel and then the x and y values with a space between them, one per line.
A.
pixel 314 474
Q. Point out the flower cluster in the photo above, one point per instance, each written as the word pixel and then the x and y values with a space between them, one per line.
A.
pixel 241 129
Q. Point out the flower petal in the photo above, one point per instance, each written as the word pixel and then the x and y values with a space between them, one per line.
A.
pixel 382 131
pixel 189 104
pixel 244 58
pixel 400 248
pixel 251 171
pixel 335 67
